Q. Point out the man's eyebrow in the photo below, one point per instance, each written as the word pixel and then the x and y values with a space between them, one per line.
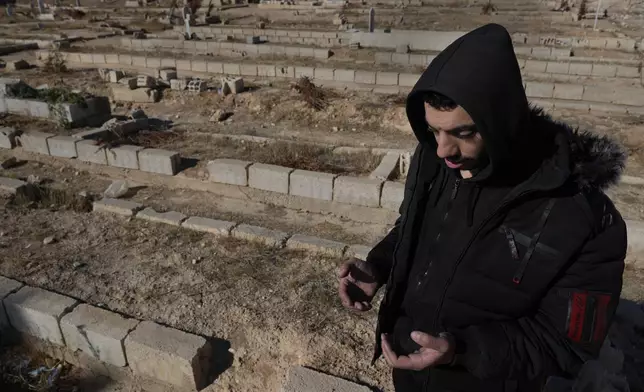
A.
pixel 460 128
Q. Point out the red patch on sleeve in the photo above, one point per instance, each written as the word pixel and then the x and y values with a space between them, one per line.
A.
pixel 577 316
pixel 601 319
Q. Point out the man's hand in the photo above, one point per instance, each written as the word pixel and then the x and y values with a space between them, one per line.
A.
pixel 433 351
pixel 358 284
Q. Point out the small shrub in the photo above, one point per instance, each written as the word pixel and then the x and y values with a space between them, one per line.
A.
pixel 488 8
pixel 314 96
pixel 55 62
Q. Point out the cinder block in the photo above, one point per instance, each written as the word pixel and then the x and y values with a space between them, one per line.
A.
pixel 604 70
pixel 229 171
pixel 365 77
pixel 97 332
pixel 392 195
pixel 248 69
pixel 387 78
pixel 231 69
pixel 400 58
pixel 39 109
pixel 382 58
pixel 419 59
pixel 124 156
pixel 169 218
pixel 155 160
pixel 541 52
pixel 98 58
pixel 36 312
pixel 292 51
pixel 112 58
pixel 199 66
pixel 168 62
pixel 139 61
pixel 213 226
pixel 539 90
pixel 7 137
pixel 86 58
pixel 260 234
pixel 17 106
pixel 316 245
pixel 89 151
pixel 125 59
pixel 624 71
pixel 285 71
pixel 408 80
pixel 304 71
pixel 359 191
pixel 215 67
pixel 62 146
pixel 344 75
pixel 323 74
pixel 271 178
pixel 322 54
pixel 169 355
pixel 116 206
pixel 569 91
pixel 358 251
pixel 35 142
pixel 558 67
pixel 581 69
pixel 301 379
pixel 597 94
pixel 306 52
pixel 266 71
pixel 153 62
pixel 7 286
pixel 184 65
pixel 312 184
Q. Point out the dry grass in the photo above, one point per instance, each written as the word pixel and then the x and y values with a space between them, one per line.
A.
pixel 39 196
pixel 55 63
pixel 314 96
pixel 299 156
pixel 488 8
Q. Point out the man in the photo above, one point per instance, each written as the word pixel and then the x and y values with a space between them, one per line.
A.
pixel 505 266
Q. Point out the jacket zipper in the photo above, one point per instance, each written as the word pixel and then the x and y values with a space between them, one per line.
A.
pixel 467 247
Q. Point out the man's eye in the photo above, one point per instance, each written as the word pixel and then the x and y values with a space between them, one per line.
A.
pixel 467 133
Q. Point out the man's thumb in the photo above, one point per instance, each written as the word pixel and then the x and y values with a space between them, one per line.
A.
pixel 426 340
pixel 343 270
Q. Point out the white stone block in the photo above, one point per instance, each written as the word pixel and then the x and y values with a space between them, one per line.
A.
pixel 260 234
pixel 155 160
pixel 36 312
pixel 7 286
pixel 359 191
pixel 312 184
pixel 229 171
pixel 316 245
pixel 169 218
pixel 393 194
pixel 115 206
pixel 62 146
pixel 90 151
pixel 213 226
pixel 7 137
pixel 271 178
pixel 97 332
pixel 124 156
pixel 35 142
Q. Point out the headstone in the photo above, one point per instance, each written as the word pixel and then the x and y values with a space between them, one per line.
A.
pixel 372 17
pixel 187 22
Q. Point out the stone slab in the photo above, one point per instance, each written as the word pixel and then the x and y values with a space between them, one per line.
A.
pixel 124 156
pixel 312 184
pixel 392 196
pixel 359 191
pixel 7 286
pixel 358 251
pixel 271 178
pixel 37 312
pixel 170 217
pixel 169 355
pixel 568 91
pixel 301 379
pixel 160 161
pixel 35 142
pixel 213 226
pixel 388 165
pixel 97 332
pixel 90 151
pixel 115 206
pixel 260 234
pixel 317 245
pixel 387 78
pixel 229 171
pixel 539 90
pixel 62 146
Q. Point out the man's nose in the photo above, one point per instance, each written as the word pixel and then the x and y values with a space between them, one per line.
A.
pixel 446 146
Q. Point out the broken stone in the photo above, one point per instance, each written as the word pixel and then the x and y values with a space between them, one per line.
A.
pixel 49 240
pixel 138 113
pixel 104 74
pixel 114 76
pixel 252 40
pixel 116 189
pixel 33 179
pixel 168 74
pixel 197 86
pixel 178 84
pixel 130 82
pixel 9 163
pixel 232 85
pixel 138 35
pixel 83 194
pixel 402 49
pixel 261 25
pixel 78 265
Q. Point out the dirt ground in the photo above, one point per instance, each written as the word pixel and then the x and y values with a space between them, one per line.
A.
pixel 274 312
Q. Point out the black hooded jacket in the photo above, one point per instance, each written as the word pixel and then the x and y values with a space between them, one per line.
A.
pixel 522 263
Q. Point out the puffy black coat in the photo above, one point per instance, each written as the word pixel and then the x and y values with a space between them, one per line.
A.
pixel 530 290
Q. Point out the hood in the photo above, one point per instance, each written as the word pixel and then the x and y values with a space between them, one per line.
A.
pixel 480 72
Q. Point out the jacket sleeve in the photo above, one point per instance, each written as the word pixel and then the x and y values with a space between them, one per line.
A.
pixel 568 327
pixel 381 256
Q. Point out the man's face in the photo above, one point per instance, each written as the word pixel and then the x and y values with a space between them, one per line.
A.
pixel 459 143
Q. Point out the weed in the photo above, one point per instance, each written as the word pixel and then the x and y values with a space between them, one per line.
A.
pixel 313 95
pixel 55 62
pixel 488 8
